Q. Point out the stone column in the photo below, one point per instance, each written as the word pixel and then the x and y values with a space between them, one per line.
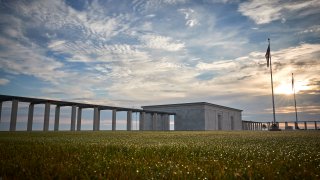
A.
pixel 0 110
pixel 114 119
pixel 79 119
pixel 96 119
pixel 30 117
pixel 286 125
pixel 167 122
pixel 268 125
pixel 154 121
pixel 73 118
pixel 56 118
pixel 141 120
pixel 296 125
pixel 305 125
pixel 46 116
pixel 161 122
pixel 14 114
pixel 129 120
pixel 315 125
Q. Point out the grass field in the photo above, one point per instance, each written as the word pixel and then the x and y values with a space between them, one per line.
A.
pixel 160 155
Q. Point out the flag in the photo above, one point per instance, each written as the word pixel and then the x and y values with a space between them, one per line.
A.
pixel 292 82
pixel 268 55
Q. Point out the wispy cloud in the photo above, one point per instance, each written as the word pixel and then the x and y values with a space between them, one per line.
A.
pixel 161 42
pixel 4 81
pixel 262 12
pixel 190 17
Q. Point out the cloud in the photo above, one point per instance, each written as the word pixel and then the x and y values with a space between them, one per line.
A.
pixel 4 81
pixel 290 109
pixel 263 12
pixel 161 42
pixel 313 29
pixel 143 6
pixel 190 17
pixel 19 59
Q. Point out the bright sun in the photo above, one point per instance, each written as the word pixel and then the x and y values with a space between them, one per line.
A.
pixel 286 88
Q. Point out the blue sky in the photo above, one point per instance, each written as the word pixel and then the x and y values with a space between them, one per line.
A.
pixel 133 53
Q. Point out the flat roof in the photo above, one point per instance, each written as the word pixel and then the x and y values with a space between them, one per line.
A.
pixel 191 104
pixel 68 103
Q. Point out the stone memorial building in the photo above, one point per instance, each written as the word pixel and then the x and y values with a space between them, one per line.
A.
pixel 199 116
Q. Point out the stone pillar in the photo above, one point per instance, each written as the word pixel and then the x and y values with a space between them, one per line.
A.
pixel 114 119
pixel 0 110
pixel 305 125
pixel 30 117
pixel 296 125
pixel 161 123
pixel 129 120
pixel 154 121
pixel 141 120
pixel 286 125
pixel 167 122
pixel 315 125
pixel 268 125
pixel 73 118
pixel 96 119
pixel 46 116
pixel 79 118
pixel 56 118
pixel 14 114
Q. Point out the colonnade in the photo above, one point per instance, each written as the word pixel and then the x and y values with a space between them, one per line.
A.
pixel 257 126
pixel 157 117
pixel 253 126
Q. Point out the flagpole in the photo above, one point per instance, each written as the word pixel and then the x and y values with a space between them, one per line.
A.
pixel 274 112
pixel 294 96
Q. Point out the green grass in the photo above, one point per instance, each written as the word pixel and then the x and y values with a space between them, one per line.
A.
pixel 160 155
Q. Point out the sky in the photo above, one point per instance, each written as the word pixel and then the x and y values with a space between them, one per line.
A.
pixel 146 52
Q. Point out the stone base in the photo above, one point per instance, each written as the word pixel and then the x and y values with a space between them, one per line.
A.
pixel 274 127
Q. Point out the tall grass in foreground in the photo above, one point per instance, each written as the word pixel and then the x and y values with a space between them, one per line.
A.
pixel 160 155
